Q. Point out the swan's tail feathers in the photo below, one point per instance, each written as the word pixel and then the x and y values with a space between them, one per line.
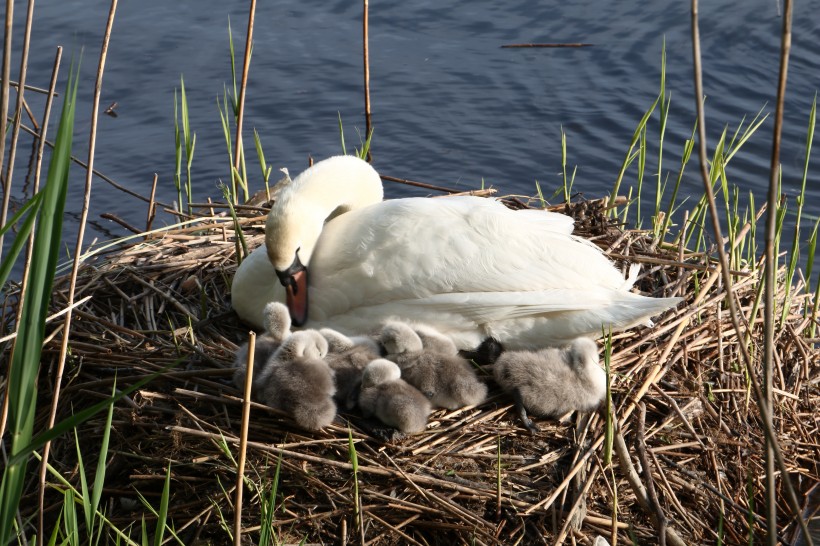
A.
pixel 631 277
pixel 637 309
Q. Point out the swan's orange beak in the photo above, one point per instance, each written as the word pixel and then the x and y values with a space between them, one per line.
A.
pixel 295 281
pixel 297 298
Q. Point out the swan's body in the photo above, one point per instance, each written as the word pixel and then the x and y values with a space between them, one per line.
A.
pixel 552 382
pixel 467 266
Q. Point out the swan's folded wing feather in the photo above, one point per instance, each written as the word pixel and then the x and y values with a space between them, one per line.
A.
pixel 417 248
pixel 486 307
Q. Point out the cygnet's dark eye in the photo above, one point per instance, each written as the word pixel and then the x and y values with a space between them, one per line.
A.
pixel 429 394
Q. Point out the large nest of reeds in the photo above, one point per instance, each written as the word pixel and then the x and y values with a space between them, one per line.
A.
pixel 476 476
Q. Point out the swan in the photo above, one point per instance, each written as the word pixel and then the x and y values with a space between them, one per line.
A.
pixel 552 382
pixel 467 266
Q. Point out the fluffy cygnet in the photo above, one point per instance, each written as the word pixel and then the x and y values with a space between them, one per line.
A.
pixel 277 328
pixel 435 341
pixel 347 357
pixel 392 400
pixel 298 382
pixel 552 382
pixel 446 379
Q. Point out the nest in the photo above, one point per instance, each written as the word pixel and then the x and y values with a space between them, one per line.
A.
pixel 476 476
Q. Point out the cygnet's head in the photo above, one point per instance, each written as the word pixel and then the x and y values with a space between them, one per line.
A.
pixel 380 371
pixel 303 344
pixel 277 321
pixel 398 337
pixel 583 352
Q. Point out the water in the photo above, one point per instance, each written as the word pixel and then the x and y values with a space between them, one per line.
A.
pixel 450 106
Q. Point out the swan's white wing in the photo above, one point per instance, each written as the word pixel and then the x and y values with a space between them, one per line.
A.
pixel 417 248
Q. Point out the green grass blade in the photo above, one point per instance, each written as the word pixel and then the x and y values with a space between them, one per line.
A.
pixel 32 206
pixel 177 152
pixel 267 533
pixel 342 134
pixel 266 169
pixel 366 145
pixel 609 433
pixel 70 523
pixel 237 226
pixel 99 478
pixel 25 360
pixel 354 461
pixel 162 516
pixel 85 495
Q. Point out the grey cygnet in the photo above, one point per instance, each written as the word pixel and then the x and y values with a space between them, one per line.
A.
pixel 448 380
pixel 392 400
pixel 299 382
pixel 552 382
pixel 277 329
pixel 347 357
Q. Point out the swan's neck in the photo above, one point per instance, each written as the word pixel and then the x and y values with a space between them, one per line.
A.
pixel 331 187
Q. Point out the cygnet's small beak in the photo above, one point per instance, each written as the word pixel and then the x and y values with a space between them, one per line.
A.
pixel 295 281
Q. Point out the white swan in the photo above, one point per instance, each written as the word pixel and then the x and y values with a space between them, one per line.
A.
pixel 467 266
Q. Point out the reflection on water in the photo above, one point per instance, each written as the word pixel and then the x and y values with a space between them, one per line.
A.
pixel 450 106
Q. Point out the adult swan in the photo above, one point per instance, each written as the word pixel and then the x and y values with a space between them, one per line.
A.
pixel 468 266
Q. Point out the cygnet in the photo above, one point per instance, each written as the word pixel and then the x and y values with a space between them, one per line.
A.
pixel 298 382
pixel 552 382
pixel 277 328
pixel 392 400
pixel 347 357
pixel 435 341
pixel 446 379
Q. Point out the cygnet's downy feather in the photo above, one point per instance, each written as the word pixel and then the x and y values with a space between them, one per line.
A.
pixel 347 357
pixel 552 382
pixel 299 382
pixel 447 380
pixel 277 329
pixel 392 400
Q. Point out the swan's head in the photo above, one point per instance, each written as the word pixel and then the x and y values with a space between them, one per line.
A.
pixel 290 235
pixel 302 208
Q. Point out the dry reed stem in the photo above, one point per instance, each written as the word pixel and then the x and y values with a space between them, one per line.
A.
pixel 240 114
pixel 18 116
pixel 762 398
pixel 366 61
pixel 4 108
pixel 243 439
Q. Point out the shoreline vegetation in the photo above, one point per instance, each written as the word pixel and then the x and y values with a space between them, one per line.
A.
pixel 148 431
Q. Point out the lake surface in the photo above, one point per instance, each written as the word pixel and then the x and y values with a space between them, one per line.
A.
pixel 450 106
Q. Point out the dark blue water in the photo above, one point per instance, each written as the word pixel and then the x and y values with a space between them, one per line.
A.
pixel 450 106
